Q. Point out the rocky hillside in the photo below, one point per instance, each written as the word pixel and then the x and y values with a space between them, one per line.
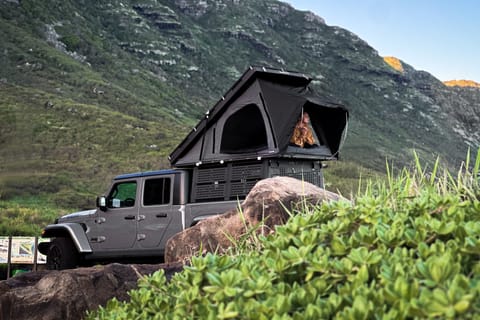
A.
pixel 89 89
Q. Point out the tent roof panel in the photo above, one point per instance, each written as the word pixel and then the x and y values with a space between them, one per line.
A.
pixel 282 96
pixel 289 78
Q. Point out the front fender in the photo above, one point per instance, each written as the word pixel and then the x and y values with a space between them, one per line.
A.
pixel 72 230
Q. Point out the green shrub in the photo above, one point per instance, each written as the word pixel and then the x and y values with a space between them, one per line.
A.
pixel 72 42
pixel 408 248
pixel 26 216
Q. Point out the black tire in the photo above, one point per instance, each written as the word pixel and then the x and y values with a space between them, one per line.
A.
pixel 62 254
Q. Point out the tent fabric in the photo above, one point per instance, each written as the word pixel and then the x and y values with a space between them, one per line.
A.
pixel 256 118
pixel 284 105
pixel 239 137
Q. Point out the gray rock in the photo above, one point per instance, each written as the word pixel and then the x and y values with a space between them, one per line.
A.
pixel 68 294
pixel 269 203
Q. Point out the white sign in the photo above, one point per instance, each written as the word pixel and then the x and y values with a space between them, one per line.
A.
pixel 23 250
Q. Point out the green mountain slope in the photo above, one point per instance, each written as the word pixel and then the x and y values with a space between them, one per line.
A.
pixel 90 89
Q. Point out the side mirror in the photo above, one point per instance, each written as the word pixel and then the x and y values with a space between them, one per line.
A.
pixel 102 203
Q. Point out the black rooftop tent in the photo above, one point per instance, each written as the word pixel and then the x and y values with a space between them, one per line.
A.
pixel 256 118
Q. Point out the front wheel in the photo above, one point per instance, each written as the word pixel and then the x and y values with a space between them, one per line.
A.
pixel 62 254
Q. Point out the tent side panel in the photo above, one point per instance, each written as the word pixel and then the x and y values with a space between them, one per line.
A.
pixel 284 106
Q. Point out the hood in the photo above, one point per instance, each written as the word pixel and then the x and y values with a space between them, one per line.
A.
pixel 82 214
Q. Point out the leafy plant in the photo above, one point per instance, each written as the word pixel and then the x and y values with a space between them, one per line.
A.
pixel 405 248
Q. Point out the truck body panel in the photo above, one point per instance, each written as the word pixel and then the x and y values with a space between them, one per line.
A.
pixel 72 230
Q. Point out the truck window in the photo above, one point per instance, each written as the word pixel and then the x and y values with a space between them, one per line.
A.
pixel 157 192
pixel 123 195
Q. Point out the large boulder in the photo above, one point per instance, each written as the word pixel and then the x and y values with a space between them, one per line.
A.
pixel 269 203
pixel 68 294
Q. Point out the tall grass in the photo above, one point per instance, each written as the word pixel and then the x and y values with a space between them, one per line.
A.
pixel 26 216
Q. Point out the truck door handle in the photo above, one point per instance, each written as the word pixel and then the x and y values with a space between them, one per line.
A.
pixel 129 217
pixel 161 215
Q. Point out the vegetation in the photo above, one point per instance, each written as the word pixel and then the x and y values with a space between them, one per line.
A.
pixel 345 177
pixel 26 217
pixel 407 247
pixel 91 89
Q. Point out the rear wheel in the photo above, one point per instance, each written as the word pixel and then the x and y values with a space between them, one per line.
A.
pixel 62 254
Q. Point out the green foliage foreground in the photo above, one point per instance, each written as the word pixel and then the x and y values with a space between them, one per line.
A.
pixel 408 248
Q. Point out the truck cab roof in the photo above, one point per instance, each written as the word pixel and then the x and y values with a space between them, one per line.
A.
pixel 146 174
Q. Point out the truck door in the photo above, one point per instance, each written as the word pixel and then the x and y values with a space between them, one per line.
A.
pixel 156 216
pixel 116 228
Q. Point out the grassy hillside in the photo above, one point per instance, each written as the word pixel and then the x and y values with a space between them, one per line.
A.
pixel 90 89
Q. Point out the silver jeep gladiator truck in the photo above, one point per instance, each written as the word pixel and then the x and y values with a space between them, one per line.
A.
pixel 141 211
pixel 250 134
pixel 132 222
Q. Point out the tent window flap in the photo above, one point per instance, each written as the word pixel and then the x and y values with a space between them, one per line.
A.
pixel 244 131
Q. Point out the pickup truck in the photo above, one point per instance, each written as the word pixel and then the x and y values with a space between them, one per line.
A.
pixel 133 221
pixel 247 136
pixel 141 211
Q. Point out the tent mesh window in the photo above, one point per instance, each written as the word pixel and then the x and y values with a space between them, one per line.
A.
pixel 214 191
pixel 208 175
pixel 243 178
pixel 211 183
pixel 244 131
pixel 311 177
pixel 303 171
pixel 231 182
